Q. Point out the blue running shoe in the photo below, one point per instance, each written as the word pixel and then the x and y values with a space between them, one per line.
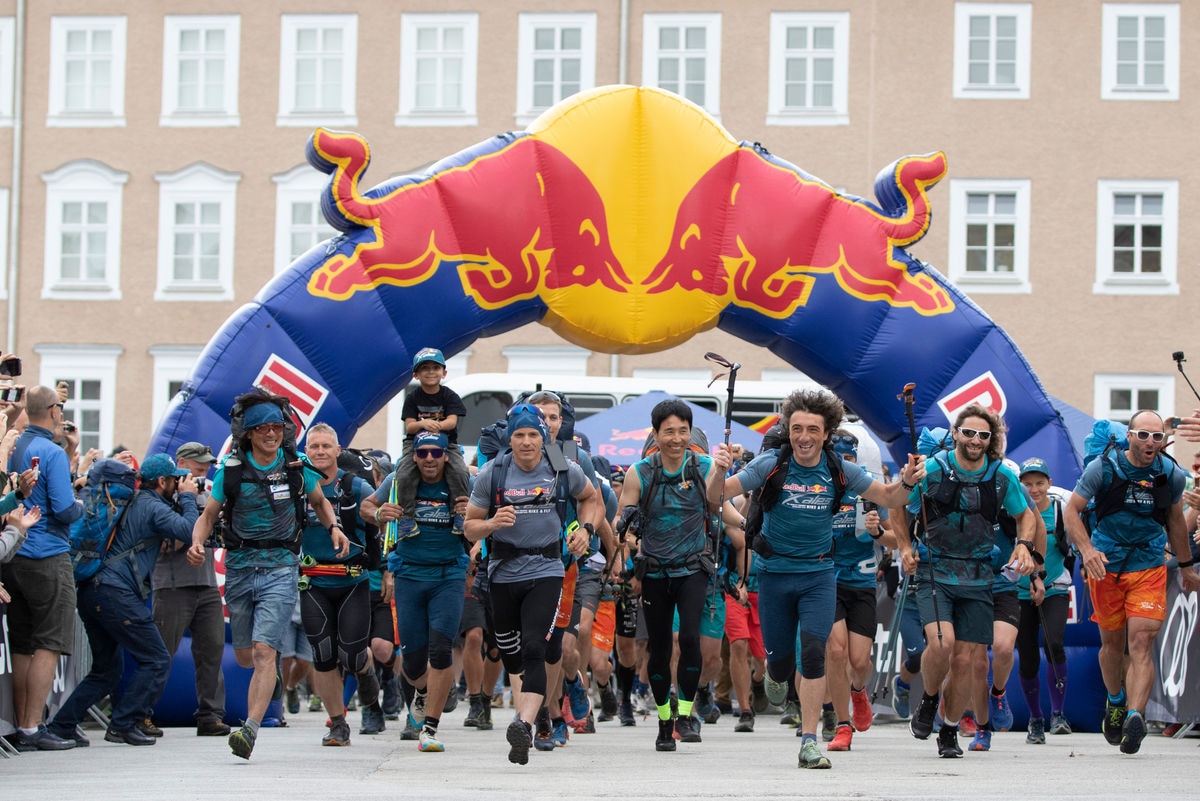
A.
pixel 1000 711
pixel 982 740
pixel 900 698
pixel 559 734
pixel 580 703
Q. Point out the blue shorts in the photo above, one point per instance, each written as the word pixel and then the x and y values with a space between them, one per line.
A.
pixel 260 602
pixel 791 603
pixel 424 606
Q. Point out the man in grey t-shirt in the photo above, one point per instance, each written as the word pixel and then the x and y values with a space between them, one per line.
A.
pixel 516 503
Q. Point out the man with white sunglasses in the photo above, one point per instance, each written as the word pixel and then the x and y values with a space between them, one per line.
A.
pixel 1138 508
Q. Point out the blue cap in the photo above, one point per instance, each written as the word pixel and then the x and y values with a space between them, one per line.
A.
pixel 428 355
pixel 429 439
pixel 844 443
pixel 1034 465
pixel 525 415
pixel 160 465
pixel 260 414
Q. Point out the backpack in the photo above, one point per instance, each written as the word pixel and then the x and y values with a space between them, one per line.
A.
pixel 691 474
pixel 1104 441
pixel 108 494
pixel 1060 538
pixel 493 438
pixel 233 467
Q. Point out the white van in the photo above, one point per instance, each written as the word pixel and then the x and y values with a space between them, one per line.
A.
pixel 488 396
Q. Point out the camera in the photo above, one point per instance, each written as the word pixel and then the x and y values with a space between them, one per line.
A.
pixel 10 367
pixel 68 427
pixel 869 506
pixel 12 394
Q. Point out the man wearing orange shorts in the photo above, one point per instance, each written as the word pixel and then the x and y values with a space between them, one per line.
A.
pixel 746 648
pixel 1138 509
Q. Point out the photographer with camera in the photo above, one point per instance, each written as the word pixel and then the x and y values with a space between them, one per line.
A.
pixel 187 597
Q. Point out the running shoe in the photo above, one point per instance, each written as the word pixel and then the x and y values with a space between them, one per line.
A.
pixel 968 725
pixel 666 736
pixel 688 728
pixel 418 707
pixel 1132 733
pixel 1114 720
pixel 293 701
pixel 585 726
pixel 456 526
pixel 776 691
pixel 393 698
pixel 860 710
pixel 406 527
pixel 811 756
pixel 758 697
pixel 241 742
pixel 841 740
pixel 829 724
pixel 339 734
pixel 314 703
pixel 520 737
pixel 580 703
pixel 791 714
pixel 982 741
pixel 451 702
pixel 1059 724
pixel 1000 711
pixel 745 722
pixel 608 701
pixel 900 698
pixel 372 720
pixel 922 722
pixel 947 742
pixel 1037 732
pixel 485 719
pixel 474 712
pixel 429 743
pixel 625 713
pixel 412 729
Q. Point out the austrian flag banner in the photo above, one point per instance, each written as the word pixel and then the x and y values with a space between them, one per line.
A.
pixel 305 394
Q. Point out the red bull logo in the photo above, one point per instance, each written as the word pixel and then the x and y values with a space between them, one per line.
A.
pixel 634 224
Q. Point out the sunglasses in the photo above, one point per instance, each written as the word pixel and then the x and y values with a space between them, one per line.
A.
pixel 971 433
pixel 269 428
pixel 843 439
pixel 430 453
pixel 61 406
pixel 1155 436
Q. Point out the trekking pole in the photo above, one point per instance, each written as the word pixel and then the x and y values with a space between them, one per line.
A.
pixel 1179 360
pixel 1058 680
pixel 889 650
pixel 907 396
pixel 731 369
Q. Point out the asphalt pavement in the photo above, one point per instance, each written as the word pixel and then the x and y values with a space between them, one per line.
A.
pixel 615 762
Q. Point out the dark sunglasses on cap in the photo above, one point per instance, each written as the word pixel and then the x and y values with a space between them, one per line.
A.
pixel 430 453
pixel 971 433
pixel 1156 436
pixel 843 439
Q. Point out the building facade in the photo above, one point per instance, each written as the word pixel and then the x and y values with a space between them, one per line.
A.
pixel 152 173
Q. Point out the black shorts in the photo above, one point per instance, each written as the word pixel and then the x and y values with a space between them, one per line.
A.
pixel 473 615
pixel 1006 608
pixel 383 624
pixel 856 605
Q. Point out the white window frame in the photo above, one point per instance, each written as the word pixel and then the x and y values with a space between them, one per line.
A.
pixel 1016 282
pixel 777 112
pixel 288 115
pixel 301 183
pixel 1109 90
pixel 173 116
pixel 90 182
pixel 526 25
pixel 652 25
pixel 1104 383
pixel 546 359
pixel 171 363
pixel 963 88
pixel 409 114
pixel 1110 283
pixel 200 183
pixel 7 69
pixel 86 363
pixel 58 115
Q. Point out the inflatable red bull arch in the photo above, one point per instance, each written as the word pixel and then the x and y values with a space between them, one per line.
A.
pixel 627 220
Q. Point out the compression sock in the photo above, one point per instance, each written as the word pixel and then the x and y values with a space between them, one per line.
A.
pixel 685 708
pixel 1057 676
pixel 625 682
pixel 1117 700
pixel 1031 687
pixel 664 711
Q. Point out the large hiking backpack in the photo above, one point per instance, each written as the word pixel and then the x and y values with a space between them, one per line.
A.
pixel 106 497
pixel 493 438
pixel 1106 439
pixel 234 469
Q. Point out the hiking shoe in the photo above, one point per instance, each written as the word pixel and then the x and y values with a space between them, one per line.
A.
pixel 625 713
pixel 968 725
pixel 241 742
pixel 147 727
pixel 393 699
pixel 666 736
pixel 829 724
pixel 406 527
pixel 982 741
pixel 1132 733
pixel 1059 724
pixel 314 703
pixel 585 726
pixel 451 702
pixel 745 722
pixel 339 734
pixel 418 707
pixel 688 729
pixel 542 741
pixel 131 736
pixel 758 696
pixel 456 526
pixel 811 756
pixel 860 710
pixel 485 719
pixel 212 728
pixel 1037 732
pixel 372 720
pixel 41 740
pixel 1000 711
pixel 580 703
pixel 80 739
pixel 559 734
pixel 1114 720
pixel 520 737
pixel 474 712
pixel 841 740
pixel 947 743
pixel 922 722
pixel 293 701
pixel 412 729
pixel 608 701
pixel 791 714
pixel 429 743
pixel 776 691
pixel 705 707
pixel 900 698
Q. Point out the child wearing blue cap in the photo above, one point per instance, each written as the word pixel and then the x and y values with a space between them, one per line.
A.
pixel 430 407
